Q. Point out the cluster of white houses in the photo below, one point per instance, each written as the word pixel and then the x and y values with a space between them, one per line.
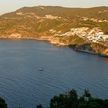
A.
pixel 98 37
pixel 94 34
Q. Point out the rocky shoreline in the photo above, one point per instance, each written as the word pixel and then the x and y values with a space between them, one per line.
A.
pixel 86 48
pixel 83 47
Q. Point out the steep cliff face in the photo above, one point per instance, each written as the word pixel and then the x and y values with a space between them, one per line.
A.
pixel 105 52
pixel 91 48
pixel 100 49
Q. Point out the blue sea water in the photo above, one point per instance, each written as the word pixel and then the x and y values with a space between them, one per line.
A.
pixel 32 72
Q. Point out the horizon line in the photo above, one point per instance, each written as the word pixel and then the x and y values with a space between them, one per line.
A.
pixel 54 6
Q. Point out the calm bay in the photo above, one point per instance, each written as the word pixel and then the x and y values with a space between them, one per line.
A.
pixel 32 72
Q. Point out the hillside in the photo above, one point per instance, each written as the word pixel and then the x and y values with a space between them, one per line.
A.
pixel 59 25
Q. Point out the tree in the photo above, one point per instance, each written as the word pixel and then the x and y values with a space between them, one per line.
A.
pixel 87 95
pixel 39 106
pixel 72 99
pixel 54 102
pixel 2 103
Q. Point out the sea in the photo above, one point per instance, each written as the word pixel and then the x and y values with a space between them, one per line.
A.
pixel 32 72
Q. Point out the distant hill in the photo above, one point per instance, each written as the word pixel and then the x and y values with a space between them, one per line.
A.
pixel 55 24
pixel 70 17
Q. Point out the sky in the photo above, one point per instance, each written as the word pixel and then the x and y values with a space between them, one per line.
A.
pixel 12 5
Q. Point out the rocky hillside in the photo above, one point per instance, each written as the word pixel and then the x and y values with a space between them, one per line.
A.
pixel 76 27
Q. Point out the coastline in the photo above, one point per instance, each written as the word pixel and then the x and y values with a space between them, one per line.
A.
pixel 57 42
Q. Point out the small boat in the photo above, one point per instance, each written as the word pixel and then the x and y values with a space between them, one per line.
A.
pixel 41 69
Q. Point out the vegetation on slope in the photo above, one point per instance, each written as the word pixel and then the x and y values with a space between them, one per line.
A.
pixel 70 17
pixel 72 100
